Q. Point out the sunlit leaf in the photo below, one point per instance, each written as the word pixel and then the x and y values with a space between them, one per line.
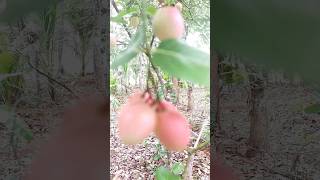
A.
pixel 133 49
pixel 151 10
pixel 183 61
pixel 163 173
pixel 177 168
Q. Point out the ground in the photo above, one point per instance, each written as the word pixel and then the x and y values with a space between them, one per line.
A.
pixel 137 161
pixel 43 116
pixel 292 145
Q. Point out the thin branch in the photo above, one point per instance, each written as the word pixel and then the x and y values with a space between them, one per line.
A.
pixel 152 41
pixel 188 170
pixel 53 80
pixel 117 9
pixel 159 77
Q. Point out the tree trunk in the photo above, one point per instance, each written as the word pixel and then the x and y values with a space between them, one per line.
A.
pixel 37 76
pixel 257 116
pixel 216 91
pixel 101 9
pixel 61 40
pixel 83 61
pixel 176 89
pixel 187 175
pixel 190 99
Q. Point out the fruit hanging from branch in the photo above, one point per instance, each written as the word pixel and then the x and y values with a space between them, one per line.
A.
pixel 168 23
pixel 137 119
pixel 172 128
pixel 142 115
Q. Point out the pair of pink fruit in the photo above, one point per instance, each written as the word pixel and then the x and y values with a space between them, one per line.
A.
pixel 142 115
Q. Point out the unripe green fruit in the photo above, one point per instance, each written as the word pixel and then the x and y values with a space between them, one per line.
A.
pixel 179 6
pixel 136 120
pixel 173 130
pixel 168 23
pixel 134 21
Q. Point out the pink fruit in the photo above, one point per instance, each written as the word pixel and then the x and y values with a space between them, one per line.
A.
pixel 136 120
pixel 173 130
pixel 166 105
pixel 139 96
pixel 168 23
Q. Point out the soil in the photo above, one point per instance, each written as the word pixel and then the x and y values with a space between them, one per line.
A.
pixel 42 117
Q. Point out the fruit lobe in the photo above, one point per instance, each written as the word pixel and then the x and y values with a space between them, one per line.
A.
pixel 136 120
pixel 166 105
pixel 173 130
pixel 168 23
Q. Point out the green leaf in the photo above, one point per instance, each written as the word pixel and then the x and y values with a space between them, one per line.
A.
pixel 26 134
pixel 183 61
pixel 7 61
pixel 151 10
pixel 119 18
pixel 177 168
pixel 280 34
pixel 313 109
pixel 163 173
pixel 133 49
pixel 129 11
pixel 156 157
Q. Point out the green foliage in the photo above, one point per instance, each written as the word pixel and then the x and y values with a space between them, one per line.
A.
pixel 151 10
pixel 163 173
pixel 197 17
pixel 82 19
pixel 3 42
pixel 161 152
pixel 19 129
pixel 230 74
pixel 7 62
pixel 133 50
pixel 48 20
pixel 113 84
pixel 312 109
pixel 280 34
pixel 169 2
pixel 183 61
pixel 12 85
pixel 114 102
pixel 123 13
pixel 177 168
